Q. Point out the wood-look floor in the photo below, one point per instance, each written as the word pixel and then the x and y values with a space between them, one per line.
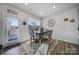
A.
pixel 17 50
pixel 63 48
pixel 56 47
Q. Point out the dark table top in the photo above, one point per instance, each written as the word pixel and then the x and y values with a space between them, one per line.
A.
pixel 45 32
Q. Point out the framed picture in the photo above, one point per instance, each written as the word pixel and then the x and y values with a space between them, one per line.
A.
pixel 72 20
pixel 65 19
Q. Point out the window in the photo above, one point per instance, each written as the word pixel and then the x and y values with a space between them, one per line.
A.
pixel 34 21
pixel 34 24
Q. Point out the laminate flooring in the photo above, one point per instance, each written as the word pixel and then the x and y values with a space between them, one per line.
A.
pixel 59 48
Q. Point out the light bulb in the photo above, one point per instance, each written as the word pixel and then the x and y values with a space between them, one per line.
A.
pixel 54 6
pixel 26 3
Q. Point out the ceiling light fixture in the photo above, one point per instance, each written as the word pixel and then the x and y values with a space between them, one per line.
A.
pixel 26 3
pixel 54 6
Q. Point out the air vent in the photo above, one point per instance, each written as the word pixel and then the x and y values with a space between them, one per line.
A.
pixel 12 12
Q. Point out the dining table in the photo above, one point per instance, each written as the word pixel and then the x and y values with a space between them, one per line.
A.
pixel 44 34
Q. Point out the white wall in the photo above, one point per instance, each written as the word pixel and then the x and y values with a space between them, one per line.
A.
pixel 23 30
pixel 65 31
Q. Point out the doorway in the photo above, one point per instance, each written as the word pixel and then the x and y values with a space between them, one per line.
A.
pixel 10 30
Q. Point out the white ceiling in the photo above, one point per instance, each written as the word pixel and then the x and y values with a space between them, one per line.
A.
pixel 45 9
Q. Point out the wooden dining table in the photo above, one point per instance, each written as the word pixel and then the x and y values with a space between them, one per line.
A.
pixel 44 34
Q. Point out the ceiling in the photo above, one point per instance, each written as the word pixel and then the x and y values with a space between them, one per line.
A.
pixel 44 9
